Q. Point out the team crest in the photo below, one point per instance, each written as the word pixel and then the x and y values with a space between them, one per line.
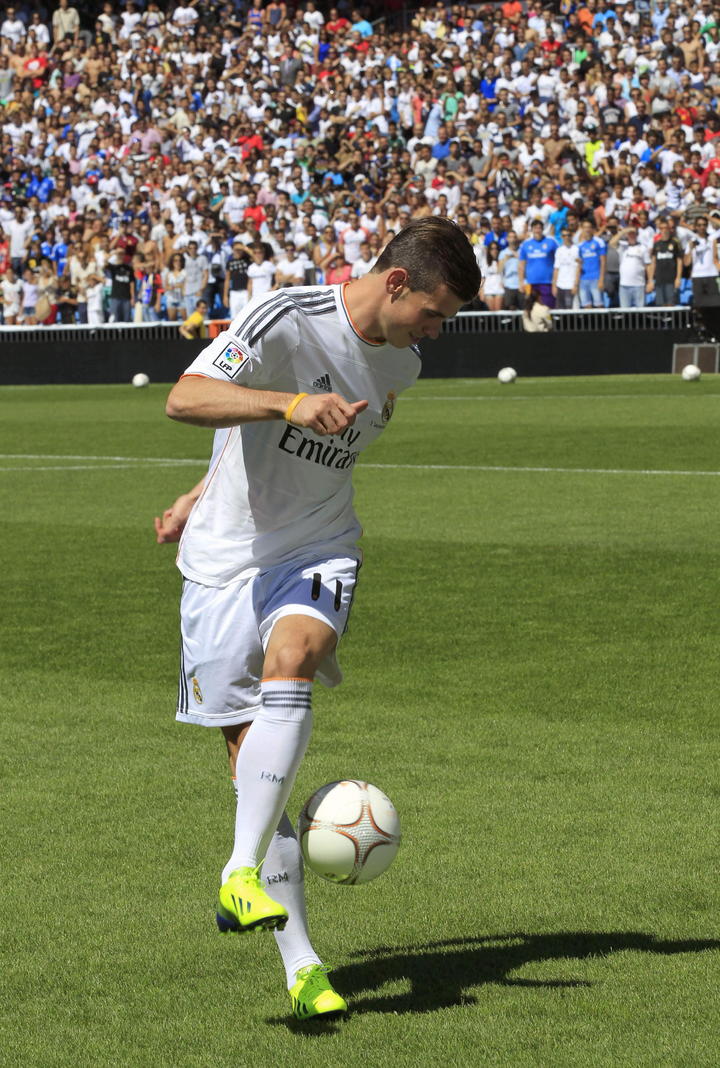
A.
pixel 388 407
pixel 197 692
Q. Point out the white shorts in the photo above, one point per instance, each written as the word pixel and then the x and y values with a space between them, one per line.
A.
pixel 225 631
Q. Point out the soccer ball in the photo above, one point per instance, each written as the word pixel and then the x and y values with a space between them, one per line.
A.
pixel 349 832
pixel 140 380
pixel 691 373
pixel 507 374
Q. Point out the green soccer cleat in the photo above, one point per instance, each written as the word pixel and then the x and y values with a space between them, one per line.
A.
pixel 312 994
pixel 243 904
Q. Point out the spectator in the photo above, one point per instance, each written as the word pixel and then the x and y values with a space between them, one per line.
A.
pixel 634 268
pixel 67 300
pixel 492 289
pixel 566 272
pixel 666 264
pixel 261 272
pixel 148 287
pixel 593 258
pixel 29 297
pixel 510 264
pixel 365 263
pixel 536 315
pixel 290 269
pixel 235 294
pixel 122 289
pixel 11 289
pixel 18 229
pixel 144 130
pixel 46 307
pixel 194 326
pixel 196 277
pixel 338 272
pixel 216 256
pixel 537 261
pixel 702 259
pixel 94 297
pixel 65 23
pixel 174 286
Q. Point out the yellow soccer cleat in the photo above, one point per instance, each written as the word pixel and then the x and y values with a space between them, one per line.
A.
pixel 243 904
pixel 312 994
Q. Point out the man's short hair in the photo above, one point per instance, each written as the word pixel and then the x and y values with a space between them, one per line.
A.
pixel 434 251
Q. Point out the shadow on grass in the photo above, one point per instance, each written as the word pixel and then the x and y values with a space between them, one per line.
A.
pixel 440 974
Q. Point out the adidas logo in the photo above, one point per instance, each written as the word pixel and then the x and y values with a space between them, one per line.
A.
pixel 323 383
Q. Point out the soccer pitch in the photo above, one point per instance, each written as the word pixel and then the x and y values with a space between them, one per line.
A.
pixel 531 675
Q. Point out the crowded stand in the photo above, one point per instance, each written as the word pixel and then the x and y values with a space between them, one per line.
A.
pixel 169 161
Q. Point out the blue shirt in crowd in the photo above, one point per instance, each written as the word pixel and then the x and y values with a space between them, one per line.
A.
pixel 539 259
pixel 591 253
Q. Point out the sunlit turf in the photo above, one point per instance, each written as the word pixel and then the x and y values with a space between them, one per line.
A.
pixel 531 675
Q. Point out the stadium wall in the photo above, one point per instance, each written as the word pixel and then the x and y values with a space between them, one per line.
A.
pixel 452 356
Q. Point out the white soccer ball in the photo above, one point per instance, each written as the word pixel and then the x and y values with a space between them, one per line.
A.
pixel 349 832
pixel 140 380
pixel 691 373
pixel 507 374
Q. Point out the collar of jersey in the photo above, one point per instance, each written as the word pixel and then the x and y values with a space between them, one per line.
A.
pixel 365 340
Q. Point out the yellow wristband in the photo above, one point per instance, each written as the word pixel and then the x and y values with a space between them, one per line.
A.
pixel 293 405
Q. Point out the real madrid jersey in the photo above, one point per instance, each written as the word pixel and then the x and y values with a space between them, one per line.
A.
pixel 276 492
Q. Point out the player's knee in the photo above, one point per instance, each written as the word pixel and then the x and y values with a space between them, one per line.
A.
pixel 295 660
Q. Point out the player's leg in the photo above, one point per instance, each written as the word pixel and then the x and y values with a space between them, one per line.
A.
pixel 282 873
pixel 283 877
pixel 272 749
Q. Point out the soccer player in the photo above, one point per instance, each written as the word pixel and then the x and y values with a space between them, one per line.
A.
pixel 298 386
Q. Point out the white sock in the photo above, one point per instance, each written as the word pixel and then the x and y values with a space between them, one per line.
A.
pixel 285 882
pixel 267 765
pixel 283 877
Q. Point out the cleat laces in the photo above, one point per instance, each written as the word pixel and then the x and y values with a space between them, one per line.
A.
pixel 313 977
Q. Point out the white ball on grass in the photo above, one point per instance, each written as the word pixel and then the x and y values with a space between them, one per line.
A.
pixel 140 380
pixel 507 374
pixel 691 373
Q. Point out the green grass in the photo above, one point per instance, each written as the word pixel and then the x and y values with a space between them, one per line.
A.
pixel 531 674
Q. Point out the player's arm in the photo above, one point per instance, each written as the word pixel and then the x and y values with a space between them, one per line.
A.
pixel 170 526
pixel 210 402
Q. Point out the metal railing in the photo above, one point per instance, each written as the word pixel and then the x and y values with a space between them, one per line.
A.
pixel 587 320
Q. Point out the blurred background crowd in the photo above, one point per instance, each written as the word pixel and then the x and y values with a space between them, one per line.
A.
pixel 163 160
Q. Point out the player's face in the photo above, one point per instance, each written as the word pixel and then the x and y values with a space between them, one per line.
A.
pixel 413 314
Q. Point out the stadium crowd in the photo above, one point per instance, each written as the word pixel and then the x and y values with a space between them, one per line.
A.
pixel 157 155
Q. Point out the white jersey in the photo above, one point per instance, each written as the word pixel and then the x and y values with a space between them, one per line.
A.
pixel 567 258
pixel 276 492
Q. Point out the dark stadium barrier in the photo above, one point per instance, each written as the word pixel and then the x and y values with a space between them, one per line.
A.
pixel 473 346
pixel 542 355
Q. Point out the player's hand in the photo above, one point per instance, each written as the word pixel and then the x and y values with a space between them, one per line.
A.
pixel 327 413
pixel 170 527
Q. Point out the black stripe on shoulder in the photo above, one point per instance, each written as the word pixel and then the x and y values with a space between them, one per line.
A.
pixel 265 308
pixel 271 305
pixel 263 328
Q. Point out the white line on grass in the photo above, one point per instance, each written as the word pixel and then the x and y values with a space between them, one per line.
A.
pixel 508 396
pixel 122 459
pixel 98 467
pixel 538 470
pixel 162 461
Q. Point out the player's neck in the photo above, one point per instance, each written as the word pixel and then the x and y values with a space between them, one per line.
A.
pixel 363 298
